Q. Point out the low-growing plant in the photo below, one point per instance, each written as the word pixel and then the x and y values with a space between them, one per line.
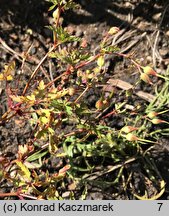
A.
pixel 77 133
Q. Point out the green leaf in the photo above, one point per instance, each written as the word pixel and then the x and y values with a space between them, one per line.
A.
pixel 24 169
pixel 69 110
pixel 44 120
pixel 41 133
pixel 70 151
pixel 100 61
pixel 36 155
pixel 51 130
pixel 52 7
pixel 110 49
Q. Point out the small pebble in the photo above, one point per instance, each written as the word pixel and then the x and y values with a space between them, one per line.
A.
pixel 149 59
pixel 47 32
pixel 79 32
pixel 163 52
pixel 33 50
pixel 167 33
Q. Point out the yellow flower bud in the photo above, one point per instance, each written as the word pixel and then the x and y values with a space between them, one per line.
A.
pixel 113 30
pixel 56 14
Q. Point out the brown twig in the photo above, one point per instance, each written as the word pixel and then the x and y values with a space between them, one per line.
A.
pixel 8 194
pixel 109 169
pixel 50 72
pixel 81 94
pixel 20 57
pixel 10 50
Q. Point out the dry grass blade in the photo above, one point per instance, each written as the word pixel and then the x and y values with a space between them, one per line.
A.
pixel 126 86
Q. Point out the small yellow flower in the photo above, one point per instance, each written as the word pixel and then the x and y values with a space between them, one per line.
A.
pixel 113 30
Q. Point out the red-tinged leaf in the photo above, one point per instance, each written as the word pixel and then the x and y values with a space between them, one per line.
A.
pixel 64 169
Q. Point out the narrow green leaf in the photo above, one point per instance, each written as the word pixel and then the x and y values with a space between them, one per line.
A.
pixel 24 169
pixel 52 7
pixel 36 156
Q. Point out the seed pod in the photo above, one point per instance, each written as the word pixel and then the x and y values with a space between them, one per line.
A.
pixel 157 121
pixel 106 103
pixel 145 78
pixel 99 104
pixel 128 129
pixel 131 137
pixel 149 71
pixel 152 114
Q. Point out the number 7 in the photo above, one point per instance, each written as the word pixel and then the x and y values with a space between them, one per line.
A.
pixel 160 205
